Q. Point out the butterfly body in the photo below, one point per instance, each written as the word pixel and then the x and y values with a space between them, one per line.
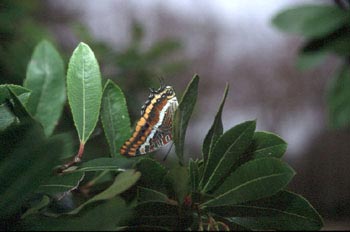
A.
pixel 153 130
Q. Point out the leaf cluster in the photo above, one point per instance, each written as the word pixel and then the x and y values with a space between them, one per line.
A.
pixel 239 183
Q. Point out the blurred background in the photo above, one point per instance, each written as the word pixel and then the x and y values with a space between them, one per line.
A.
pixel 224 41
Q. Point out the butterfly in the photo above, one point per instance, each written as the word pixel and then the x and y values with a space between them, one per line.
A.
pixel 153 129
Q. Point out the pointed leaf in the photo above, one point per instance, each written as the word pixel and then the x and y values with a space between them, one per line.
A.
pixel 84 90
pixel 45 200
pixel 215 131
pixel 46 79
pixel 102 164
pixel 121 183
pixel 283 211
pixel 182 116
pixel 178 179
pixel 339 99
pixel 7 118
pixel 266 144
pixel 62 183
pixel 253 180
pixel 115 117
pixel 226 152
pixel 311 20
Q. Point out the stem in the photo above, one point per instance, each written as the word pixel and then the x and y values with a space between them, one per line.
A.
pixel 75 160
pixel 200 223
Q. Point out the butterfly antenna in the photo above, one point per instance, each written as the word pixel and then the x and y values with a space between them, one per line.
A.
pixel 161 81
pixel 166 156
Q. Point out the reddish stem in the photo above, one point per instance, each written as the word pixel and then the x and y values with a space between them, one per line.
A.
pixel 75 160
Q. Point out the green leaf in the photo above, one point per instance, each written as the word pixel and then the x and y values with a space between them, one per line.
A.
pixel 309 60
pixel 23 170
pixel 105 216
pixel 311 20
pixel 7 118
pixel 62 183
pixel 150 195
pixel 178 179
pixel 283 211
pixel 266 144
pixel 102 164
pixel 153 173
pixel 183 114
pixel 215 131
pixel 226 153
pixel 121 183
pixel 45 200
pixel 194 175
pixel 84 90
pixel 339 99
pixel 253 180
pixel 115 117
pixel 46 79
pixel 21 92
pixel 336 42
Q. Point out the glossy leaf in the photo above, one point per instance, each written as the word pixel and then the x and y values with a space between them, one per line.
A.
pixel 84 90
pixel 105 216
pixel 283 211
pixel 150 195
pixel 182 116
pixel 121 183
pixel 266 144
pixel 23 170
pixel 215 131
pixel 253 180
pixel 62 183
pixel 115 117
pixel 102 164
pixel 311 20
pixel 226 152
pixel 46 79
pixel 339 99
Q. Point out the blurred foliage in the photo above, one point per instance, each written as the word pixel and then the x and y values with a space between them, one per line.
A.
pixel 326 29
pixel 239 184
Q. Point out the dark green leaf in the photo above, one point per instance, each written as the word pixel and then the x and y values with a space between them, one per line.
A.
pixel 336 42
pixel 308 60
pixel 121 183
pixel 283 211
pixel 6 117
pixel 21 92
pixel 153 173
pixel 45 200
pixel 102 164
pixel 227 151
pixel 311 20
pixel 194 175
pixel 183 114
pixel 46 79
pixel 22 171
pixel 178 179
pixel 62 183
pixel 339 99
pixel 105 216
pixel 215 131
pixel 266 144
pixel 84 90
pixel 147 195
pixel 115 117
pixel 253 180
